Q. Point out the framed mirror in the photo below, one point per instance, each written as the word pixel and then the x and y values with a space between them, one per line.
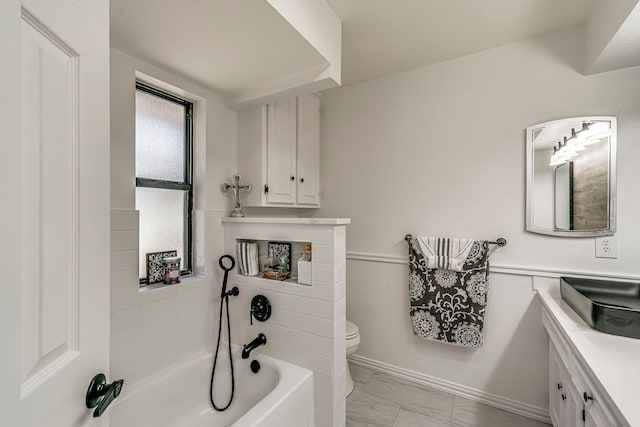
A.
pixel 571 177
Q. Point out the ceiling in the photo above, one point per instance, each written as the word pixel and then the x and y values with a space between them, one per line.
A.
pixel 381 37
pixel 225 45
pixel 229 46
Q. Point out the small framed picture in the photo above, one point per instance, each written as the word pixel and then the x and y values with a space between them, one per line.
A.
pixel 155 267
pixel 280 252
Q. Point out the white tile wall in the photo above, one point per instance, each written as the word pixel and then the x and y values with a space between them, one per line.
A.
pixel 153 330
pixel 307 326
pixel 323 383
pixel 323 418
pixel 312 324
pixel 125 319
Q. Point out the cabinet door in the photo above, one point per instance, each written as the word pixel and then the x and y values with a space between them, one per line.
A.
pixel 281 152
pixel 572 415
pixel 595 418
pixel 557 393
pixel 595 414
pixel 308 150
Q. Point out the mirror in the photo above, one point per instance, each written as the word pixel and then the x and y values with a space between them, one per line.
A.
pixel 571 177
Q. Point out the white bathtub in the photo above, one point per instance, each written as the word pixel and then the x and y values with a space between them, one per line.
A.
pixel 280 395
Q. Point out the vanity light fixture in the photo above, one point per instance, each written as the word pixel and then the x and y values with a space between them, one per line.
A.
pixel 590 133
pixel 597 132
pixel 573 143
pixel 563 152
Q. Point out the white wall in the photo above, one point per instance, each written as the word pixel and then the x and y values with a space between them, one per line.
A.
pixel 439 150
pixel 153 330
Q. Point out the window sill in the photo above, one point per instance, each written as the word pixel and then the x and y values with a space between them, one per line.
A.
pixel 185 285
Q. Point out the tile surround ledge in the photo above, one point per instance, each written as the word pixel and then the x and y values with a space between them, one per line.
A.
pixel 296 221
pixel 308 324
pixel 610 360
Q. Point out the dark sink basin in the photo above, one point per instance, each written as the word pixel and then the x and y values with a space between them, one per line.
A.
pixel 608 306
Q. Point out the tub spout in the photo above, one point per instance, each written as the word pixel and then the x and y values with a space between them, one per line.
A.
pixel 257 342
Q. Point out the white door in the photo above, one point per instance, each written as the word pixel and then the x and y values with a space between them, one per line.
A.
pixel 281 152
pixel 54 158
pixel 308 150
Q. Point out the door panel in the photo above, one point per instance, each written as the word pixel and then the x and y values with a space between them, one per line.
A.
pixel 308 149
pixel 281 151
pixel 60 172
pixel 49 203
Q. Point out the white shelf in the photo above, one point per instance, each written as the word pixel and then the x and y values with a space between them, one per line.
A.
pixel 295 221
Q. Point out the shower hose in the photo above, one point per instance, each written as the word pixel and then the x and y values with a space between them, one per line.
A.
pixel 224 301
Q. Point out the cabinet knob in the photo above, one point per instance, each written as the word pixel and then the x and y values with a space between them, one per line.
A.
pixel 564 396
pixel 586 397
pixel 293 178
pixel 301 179
pixel 559 386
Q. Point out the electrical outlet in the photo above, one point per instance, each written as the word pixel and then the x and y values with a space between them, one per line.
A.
pixel 606 247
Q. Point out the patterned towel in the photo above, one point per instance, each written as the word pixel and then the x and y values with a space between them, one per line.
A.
pixel 449 306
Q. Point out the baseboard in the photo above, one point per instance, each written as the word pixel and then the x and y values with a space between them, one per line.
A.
pixel 520 408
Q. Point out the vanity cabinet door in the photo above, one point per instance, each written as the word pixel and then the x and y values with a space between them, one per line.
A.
pixel 564 400
pixel 572 416
pixel 595 416
pixel 575 398
pixel 281 152
pixel 556 387
pixel 595 411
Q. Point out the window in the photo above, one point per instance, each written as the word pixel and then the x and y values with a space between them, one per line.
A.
pixel 164 191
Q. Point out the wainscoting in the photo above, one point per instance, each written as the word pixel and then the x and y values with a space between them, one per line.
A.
pixel 510 372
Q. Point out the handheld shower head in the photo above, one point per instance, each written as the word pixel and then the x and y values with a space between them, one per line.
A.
pixel 226 269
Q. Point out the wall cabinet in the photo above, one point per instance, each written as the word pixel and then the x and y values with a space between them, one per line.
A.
pixel 574 399
pixel 279 152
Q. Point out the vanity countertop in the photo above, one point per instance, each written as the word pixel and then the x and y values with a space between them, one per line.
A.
pixel 613 361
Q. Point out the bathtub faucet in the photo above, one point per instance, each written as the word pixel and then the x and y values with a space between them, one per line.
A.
pixel 257 342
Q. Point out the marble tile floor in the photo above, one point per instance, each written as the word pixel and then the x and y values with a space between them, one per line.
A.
pixel 380 400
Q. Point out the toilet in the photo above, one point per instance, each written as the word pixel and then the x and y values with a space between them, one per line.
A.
pixel 352 335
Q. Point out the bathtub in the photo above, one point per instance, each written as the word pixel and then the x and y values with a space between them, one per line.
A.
pixel 280 395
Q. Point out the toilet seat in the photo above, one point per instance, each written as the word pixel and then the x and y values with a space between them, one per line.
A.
pixel 352 331
pixel 352 335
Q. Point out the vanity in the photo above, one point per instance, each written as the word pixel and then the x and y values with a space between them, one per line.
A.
pixel 594 378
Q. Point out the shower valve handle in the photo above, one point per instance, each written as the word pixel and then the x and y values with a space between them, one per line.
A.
pixel 260 309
